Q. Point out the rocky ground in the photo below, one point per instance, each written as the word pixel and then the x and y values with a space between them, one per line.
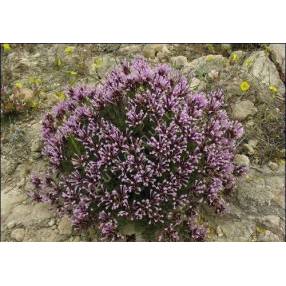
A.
pixel 253 77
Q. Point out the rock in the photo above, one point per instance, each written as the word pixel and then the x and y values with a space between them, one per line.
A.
pixel 151 50
pixel 65 226
pixel 18 234
pixel 273 166
pixel 130 50
pixel 237 230
pixel 36 145
pixel 207 63
pixel 44 235
pixel 7 167
pixel 250 146
pixel 253 195
pixel 76 239
pixel 213 75
pixel 164 53
pixel 29 215
pixel 11 225
pixel 278 55
pixel 271 221
pixel 219 231
pixel 276 185
pixel 241 160
pixel 261 67
pixel 36 155
pixel 267 236
pixel 9 200
pixel 179 61
pixel 21 183
pixel 51 222
pixel 241 110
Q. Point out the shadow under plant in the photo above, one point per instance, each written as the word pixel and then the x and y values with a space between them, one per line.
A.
pixel 252 80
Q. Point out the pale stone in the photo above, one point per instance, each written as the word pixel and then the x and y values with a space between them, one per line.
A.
pixel 18 234
pixel 241 110
pixel 179 61
pixel 65 226
pixel 241 160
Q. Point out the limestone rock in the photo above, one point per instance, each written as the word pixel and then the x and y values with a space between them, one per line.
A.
pixel 18 234
pixel 65 226
pixel 208 63
pixel 260 66
pixel 152 50
pixel 44 235
pixel 267 236
pixel 241 160
pixel 9 200
pixel 241 110
pixel 250 146
pixel 179 61
pixel 278 55
pixel 237 230
pixel 130 50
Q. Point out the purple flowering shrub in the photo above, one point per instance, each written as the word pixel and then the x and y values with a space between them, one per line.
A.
pixel 139 147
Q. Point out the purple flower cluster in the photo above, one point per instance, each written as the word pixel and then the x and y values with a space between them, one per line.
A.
pixel 139 147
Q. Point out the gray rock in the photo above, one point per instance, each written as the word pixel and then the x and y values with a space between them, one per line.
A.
pixel 36 145
pixel 44 235
pixel 208 63
pixel 29 215
pixel 51 222
pixel 130 50
pixel 179 61
pixel 237 230
pixel 268 236
pixel 250 146
pixel 241 110
pixel 9 200
pixel 152 50
pixel 278 55
pixel 251 193
pixel 11 225
pixel 261 67
pixel 271 221
pixel 241 160
pixel 273 166
pixel 276 185
pixel 18 234
pixel 65 226
pixel 213 75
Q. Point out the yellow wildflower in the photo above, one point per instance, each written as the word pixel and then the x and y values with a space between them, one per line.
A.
pixel 234 57
pixel 18 85
pixel 69 50
pixel 244 86
pixel 60 95
pixel 6 47
pixel 210 58
pixel 273 89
